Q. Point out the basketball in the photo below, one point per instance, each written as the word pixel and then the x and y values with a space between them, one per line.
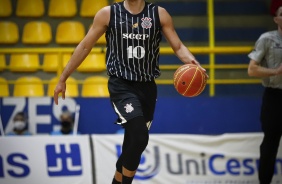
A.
pixel 189 80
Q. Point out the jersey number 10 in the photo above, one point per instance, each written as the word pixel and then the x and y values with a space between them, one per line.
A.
pixel 136 52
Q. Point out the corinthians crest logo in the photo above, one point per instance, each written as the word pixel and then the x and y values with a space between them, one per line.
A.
pixel 146 22
pixel 128 108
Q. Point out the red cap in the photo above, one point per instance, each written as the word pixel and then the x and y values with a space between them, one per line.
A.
pixel 275 4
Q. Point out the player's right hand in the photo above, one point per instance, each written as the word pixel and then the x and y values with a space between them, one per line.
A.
pixel 60 88
pixel 197 63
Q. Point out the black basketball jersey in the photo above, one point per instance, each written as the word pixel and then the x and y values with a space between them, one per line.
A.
pixel 133 43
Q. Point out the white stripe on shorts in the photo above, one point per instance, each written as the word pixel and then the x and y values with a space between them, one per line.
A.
pixel 149 123
pixel 123 120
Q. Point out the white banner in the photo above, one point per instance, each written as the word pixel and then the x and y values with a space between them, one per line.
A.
pixel 187 159
pixel 45 160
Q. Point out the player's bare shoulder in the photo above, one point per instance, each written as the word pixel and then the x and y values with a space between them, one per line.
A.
pixel 162 11
pixel 165 17
pixel 103 15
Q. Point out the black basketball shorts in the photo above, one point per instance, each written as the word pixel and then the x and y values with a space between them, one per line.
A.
pixel 131 99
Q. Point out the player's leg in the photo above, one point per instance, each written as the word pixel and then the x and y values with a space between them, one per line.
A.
pixel 271 122
pixel 139 137
pixel 135 141
pixel 268 153
pixel 118 174
pixel 117 178
pixel 128 102
pixel 147 94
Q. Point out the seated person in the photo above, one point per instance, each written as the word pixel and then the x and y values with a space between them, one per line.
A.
pixel 67 122
pixel 20 125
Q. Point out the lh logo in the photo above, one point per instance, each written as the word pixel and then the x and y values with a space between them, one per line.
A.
pixel 63 160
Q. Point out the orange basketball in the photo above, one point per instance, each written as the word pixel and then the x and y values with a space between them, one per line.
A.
pixel 189 80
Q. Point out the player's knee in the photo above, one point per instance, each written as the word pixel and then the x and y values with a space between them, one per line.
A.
pixel 133 154
pixel 138 132
pixel 141 139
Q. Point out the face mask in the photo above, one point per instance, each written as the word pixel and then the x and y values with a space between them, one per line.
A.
pixel 66 124
pixel 19 125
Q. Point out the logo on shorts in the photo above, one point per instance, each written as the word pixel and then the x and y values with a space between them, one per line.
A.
pixel 128 108
pixel 146 22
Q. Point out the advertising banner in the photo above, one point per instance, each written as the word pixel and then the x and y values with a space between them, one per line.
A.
pixel 45 160
pixel 187 159
pixel 173 115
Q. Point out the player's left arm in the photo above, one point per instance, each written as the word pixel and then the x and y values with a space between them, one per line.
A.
pixel 171 36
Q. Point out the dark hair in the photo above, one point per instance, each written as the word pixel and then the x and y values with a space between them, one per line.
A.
pixel 68 114
pixel 275 5
pixel 22 114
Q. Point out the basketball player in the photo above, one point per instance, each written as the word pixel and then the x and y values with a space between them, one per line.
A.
pixel 134 30
pixel 266 62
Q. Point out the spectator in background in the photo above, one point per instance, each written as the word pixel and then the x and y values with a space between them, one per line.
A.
pixel 20 125
pixel 266 63
pixel 67 123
